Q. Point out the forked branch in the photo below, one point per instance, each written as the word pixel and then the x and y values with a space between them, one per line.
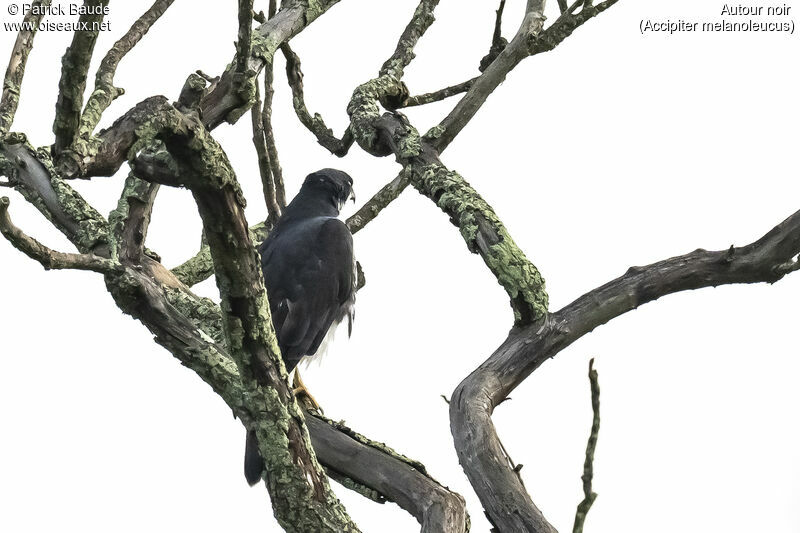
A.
pixel 479 449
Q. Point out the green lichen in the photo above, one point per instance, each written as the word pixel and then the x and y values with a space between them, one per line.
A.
pixel 364 112
pixel 484 234
pixel 435 132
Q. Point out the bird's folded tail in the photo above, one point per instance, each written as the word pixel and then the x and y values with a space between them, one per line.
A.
pixel 253 463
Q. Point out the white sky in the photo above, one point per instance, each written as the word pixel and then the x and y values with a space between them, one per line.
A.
pixel 615 149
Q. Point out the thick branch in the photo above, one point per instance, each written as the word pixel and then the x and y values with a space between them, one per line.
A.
pixel 480 227
pixel 479 449
pixel 32 174
pixel 49 259
pixel 191 329
pixel 16 64
pixel 131 220
pixel 74 69
pixel 200 267
pixel 104 90
pixel 301 497
pixel 398 479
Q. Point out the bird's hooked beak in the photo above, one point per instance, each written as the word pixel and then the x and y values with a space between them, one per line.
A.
pixel 352 195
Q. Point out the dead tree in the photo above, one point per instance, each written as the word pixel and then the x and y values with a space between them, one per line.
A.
pixel 171 144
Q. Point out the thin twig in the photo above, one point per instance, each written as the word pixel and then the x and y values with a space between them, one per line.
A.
pixel 531 39
pixel 264 167
pixel 441 94
pixel 498 24
pixel 377 203
pixel 48 258
pixel 269 135
pixel 16 65
pixel 588 465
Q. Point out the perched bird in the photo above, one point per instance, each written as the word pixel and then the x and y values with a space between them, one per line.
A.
pixel 310 275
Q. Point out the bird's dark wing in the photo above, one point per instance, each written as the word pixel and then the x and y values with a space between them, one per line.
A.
pixel 310 277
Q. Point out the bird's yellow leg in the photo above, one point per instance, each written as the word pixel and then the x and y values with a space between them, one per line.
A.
pixel 302 394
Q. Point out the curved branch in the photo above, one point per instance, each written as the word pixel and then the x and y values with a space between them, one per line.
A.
pixel 49 259
pixel 16 64
pixel 479 449
pixel 316 124
pixel 104 90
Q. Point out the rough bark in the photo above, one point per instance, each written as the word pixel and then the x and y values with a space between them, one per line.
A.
pixel 74 70
pixel 526 348
pixel 15 72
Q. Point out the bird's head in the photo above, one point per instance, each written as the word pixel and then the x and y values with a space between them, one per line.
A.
pixel 332 184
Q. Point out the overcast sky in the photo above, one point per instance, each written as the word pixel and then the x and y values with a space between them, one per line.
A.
pixel 615 149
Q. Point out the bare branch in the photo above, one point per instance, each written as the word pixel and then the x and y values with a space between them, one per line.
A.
pixel 441 94
pixel 377 203
pixel 131 220
pixel 562 5
pixel 16 64
pixel 224 103
pixel 32 174
pixel 269 136
pixel 479 449
pixel 49 259
pixel 200 267
pixel 416 28
pixel 243 45
pixel 74 69
pixel 264 166
pixel 530 39
pixel 315 124
pixel 104 90
pixel 497 37
pixel 479 226
pixel 191 329
pixel 392 475
pixel 588 465
pixel 499 43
